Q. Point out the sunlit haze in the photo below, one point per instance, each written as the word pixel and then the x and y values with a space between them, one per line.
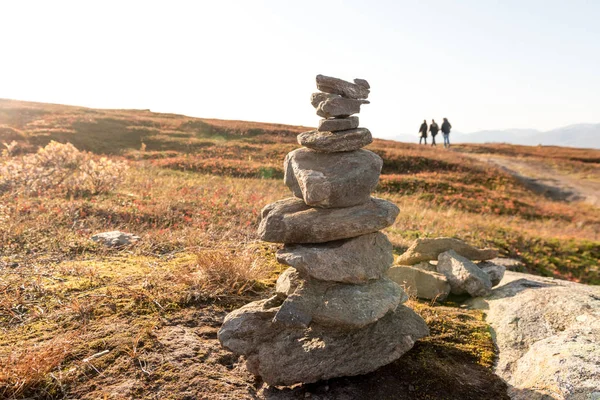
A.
pixel 482 64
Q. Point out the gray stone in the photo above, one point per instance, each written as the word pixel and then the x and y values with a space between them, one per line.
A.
pixel 344 88
pixel 331 142
pixel 509 263
pixel 292 221
pixel 287 356
pixel 287 282
pixel 337 304
pixel 463 275
pixel 362 82
pixel 494 271
pixel 337 124
pixel 426 249
pixel 425 265
pixel 547 332
pixel 339 107
pixel 355 260
pixel 420 283
pixel 332 180
pixel 318 98
pixel 115 238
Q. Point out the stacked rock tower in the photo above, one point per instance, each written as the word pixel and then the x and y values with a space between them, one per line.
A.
pixel 334 312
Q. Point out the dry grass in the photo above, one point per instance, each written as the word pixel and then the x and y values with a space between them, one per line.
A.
pixel 193 192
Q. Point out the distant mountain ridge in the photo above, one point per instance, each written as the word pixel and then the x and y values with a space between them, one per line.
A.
pixel 577 135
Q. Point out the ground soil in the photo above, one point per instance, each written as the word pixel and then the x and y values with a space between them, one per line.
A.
pixel 544 178
pixel 186 361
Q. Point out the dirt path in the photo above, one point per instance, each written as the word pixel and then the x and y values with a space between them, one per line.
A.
pixel 546 179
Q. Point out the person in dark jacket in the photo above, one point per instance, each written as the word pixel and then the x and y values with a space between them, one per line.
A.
pixel 446 131
pixel 423 131
pixel 433 128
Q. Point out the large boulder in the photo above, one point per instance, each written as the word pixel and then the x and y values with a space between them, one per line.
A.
pixel 336 304
pixel 286 356
pixel 463 275
pixel 494 271
pixel 339 107
pixel 292 221
pixel 547 332
pixel 426 249
pixel 337 124
pixel 330 142
pixel 357 90
pixel 354 260
pixel 420 283
pixel 332 180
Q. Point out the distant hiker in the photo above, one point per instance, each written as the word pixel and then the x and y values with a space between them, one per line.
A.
pixel 433 128
pixel 423 131
pixel 446 131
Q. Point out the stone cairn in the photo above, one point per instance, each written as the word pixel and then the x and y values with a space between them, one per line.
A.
pixel 335 313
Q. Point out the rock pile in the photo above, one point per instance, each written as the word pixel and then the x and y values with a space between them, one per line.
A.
pixel 334 312
pixel 455 271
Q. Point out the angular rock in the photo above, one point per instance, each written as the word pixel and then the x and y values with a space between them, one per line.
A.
pixel 362 82
pixel 287 282
pixel 494 271
pixel 425 265
pixel 420 283
pixel 331 142
pixel 337 124
pixel 318 98
pixel 344 88
pixel 292 221
pixel 286 356
pixel 337 304
pixel 332 180
pixel 115 238
pixel 339 107
pixel 355 260
pixel 426 249
pixel 463 275
pixel 547 332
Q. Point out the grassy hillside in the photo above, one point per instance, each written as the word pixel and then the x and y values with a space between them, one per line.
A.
pixel 79 319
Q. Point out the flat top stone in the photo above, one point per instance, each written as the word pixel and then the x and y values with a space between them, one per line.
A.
pixel 339 107
pixel 427 249
pixel 344 88
pixel 337 124
pixel 292 221
pixel 332 142
pixel 355 260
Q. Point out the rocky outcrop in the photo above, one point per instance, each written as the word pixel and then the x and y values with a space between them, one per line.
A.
pixel 357 90
pixel 427 249
pixel 547 332
pixel 334 313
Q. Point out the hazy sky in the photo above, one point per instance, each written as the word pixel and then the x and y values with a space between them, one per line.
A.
pixel 483 64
